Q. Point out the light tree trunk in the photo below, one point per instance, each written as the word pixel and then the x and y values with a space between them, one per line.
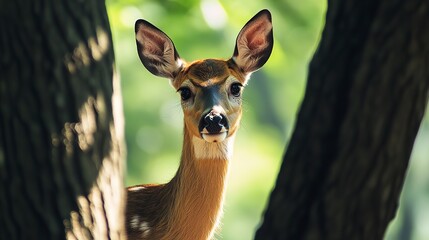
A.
pixel 367 91
pixel 61 126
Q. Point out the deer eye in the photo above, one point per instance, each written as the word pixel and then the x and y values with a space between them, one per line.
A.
pixel 185 93
pixel 235 89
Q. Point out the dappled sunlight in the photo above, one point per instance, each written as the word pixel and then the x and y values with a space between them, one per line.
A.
pixel 117 108
pixel 82 132
pixel 93 207
pixel 87 127
pixel 76 220
pixel 84 53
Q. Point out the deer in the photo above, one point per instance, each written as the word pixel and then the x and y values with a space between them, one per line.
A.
pixel 190 205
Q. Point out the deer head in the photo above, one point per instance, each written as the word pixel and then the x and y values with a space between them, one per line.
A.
pixel 210 89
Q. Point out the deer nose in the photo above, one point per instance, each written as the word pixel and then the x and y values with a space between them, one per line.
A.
pixel 213 122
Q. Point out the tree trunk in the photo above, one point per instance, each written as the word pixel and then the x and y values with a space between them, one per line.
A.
pixel 367 91
pixel 61 131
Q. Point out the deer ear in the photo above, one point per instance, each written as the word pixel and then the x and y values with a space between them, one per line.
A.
pixel 156 50
pixel 254 43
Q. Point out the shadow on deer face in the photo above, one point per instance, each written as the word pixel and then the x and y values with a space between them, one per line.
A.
pixel 210 89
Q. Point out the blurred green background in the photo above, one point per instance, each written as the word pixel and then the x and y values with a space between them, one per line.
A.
pixel 207 29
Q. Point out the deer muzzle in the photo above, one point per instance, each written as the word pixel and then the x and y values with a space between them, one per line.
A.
pixel 213 126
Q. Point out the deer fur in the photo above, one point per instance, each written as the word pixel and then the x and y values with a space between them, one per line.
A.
pixel 190 205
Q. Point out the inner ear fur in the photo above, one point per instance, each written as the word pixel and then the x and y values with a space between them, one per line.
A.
pixel 156 50
pixel 254 43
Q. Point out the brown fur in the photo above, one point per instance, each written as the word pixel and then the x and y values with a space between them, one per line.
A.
pixel 204 73
pixel 190 205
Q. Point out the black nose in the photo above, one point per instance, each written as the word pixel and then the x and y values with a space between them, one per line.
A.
pixel 213 122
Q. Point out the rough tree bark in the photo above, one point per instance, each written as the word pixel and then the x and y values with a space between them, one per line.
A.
pixel 61 148
pixel 367 91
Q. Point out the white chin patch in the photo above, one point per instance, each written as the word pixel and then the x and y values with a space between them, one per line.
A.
pixel 203 149
pixel 214 137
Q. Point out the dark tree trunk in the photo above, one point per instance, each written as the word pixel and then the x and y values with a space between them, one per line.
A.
pixel 367 91
pixel 61 149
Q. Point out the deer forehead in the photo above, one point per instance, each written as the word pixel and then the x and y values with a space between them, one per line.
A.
pixel 207 72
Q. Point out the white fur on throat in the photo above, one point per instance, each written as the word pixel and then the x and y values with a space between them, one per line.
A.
pixel 213 150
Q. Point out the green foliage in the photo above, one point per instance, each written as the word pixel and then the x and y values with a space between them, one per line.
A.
pixel 152 108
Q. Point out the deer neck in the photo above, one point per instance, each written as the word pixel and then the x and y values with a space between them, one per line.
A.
pixel 199 187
